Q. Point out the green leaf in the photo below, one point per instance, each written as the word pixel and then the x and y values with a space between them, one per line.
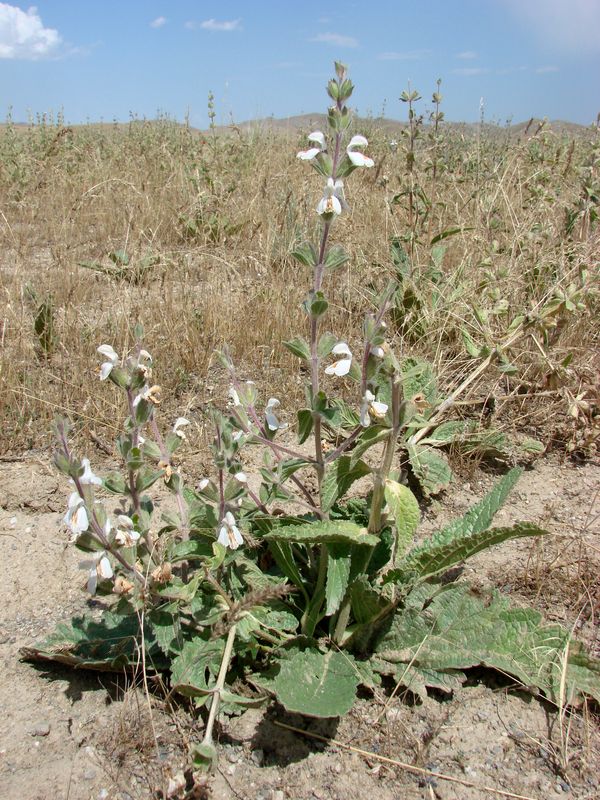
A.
pixel 165 625
pixel 474 350
pixel 317 684
pixel 367 602
pixel 146 478
pixel 532 446
pixel 299 347
pixel 339 477
pixel 457 630
pixel 447 233
pixel 418 377
pixel 400 258
pixel 242 701
pixel 115 483
pixel 288 467
pixel 305 424
pixel 189 670
pixel 306 254
pixel 430 469
pixel 443 551
pixel 367 438
pixel 446 433
pixel 204 756
pixel 284 558
pixel 405 510
pixel 336 257
pixel 338 572
pixel 108 644
pixel 323 531
pixel 326 344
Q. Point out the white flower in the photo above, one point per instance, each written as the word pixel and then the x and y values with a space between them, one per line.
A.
pixel 377 351
pixel 76 518
pixel 202 484
pixel 371 409
pixel 125 534
pixel 241 477
pixel 229 535
pixel 149 393
pixel 272 421
pixel 179 423
pixel 107 351
pixel 88 476
pixel 330 203
pixel 98 566
pixel 234 397
pixel 145 355
pixel 358 159
pixel 319 139
pixel 342 365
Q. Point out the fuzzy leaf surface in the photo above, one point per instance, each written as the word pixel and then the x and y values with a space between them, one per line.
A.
pixel 445 550
pixel 338 573
pixel 458 630
pixel 324 531
pixel 339 477
pixel 405 510
pixel 431 469
pixel 317 684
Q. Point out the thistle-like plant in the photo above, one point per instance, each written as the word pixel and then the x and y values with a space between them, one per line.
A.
pixel 276 583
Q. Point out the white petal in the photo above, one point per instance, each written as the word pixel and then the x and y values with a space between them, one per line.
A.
pixel 241 477
pixel 104 568
pixel 365 419
pixel 223 537
pixel 125 522
pixel 105 370
pixel 234 397
pixel 360 160
pixel 237 538
pixel 272 402
pixel 380 409
pixel 340 367
pixel 107 351
pixel 308 155
pixel 74 500
pixel 180 422
pixel 341 349
pixel 80 521
pixel 88 476
pixel 317 136
pixel 202 484
pixel 92 583
pixel 229 518
pixel 369 396
pixel 145 355
pixel 378 351
pixel 357 141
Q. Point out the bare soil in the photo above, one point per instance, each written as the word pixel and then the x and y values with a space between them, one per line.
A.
pixel 78 735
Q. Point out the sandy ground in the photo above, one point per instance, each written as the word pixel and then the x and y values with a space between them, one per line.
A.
pixel 76 735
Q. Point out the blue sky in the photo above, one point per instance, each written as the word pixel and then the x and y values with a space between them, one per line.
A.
pixel 102 59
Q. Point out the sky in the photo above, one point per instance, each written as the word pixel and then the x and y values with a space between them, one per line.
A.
pixel 94 60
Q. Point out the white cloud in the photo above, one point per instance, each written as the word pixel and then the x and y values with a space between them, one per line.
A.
pixel 23 35
pixel 467 55
pixel 470 71
pixel 226 25
pixel 407 55
pixel 544 70
pixel 570 25
pixel 158 22
pixel 337 39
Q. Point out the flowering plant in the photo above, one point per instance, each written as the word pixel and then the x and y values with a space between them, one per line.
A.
pixel 276 583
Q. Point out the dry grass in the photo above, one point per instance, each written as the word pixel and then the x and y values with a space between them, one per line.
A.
pixel 209 223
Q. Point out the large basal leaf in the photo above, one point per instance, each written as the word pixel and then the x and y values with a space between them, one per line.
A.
pixel 405 511
pixel 324 532
pixel 339 477
pixel 317 684
pixel 430 469
pixel 443 551
pixel 418 378
pixel 109 644
pixel 481 515
pixel 457 630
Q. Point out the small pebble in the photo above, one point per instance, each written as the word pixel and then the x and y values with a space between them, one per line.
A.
pixel 258 757
pixel 40 729
pixel 89 775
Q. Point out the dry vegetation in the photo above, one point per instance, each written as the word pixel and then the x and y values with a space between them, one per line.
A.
pixel 105 226
pixel 190 233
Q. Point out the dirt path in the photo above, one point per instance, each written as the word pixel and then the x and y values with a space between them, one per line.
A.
pixel 71 735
